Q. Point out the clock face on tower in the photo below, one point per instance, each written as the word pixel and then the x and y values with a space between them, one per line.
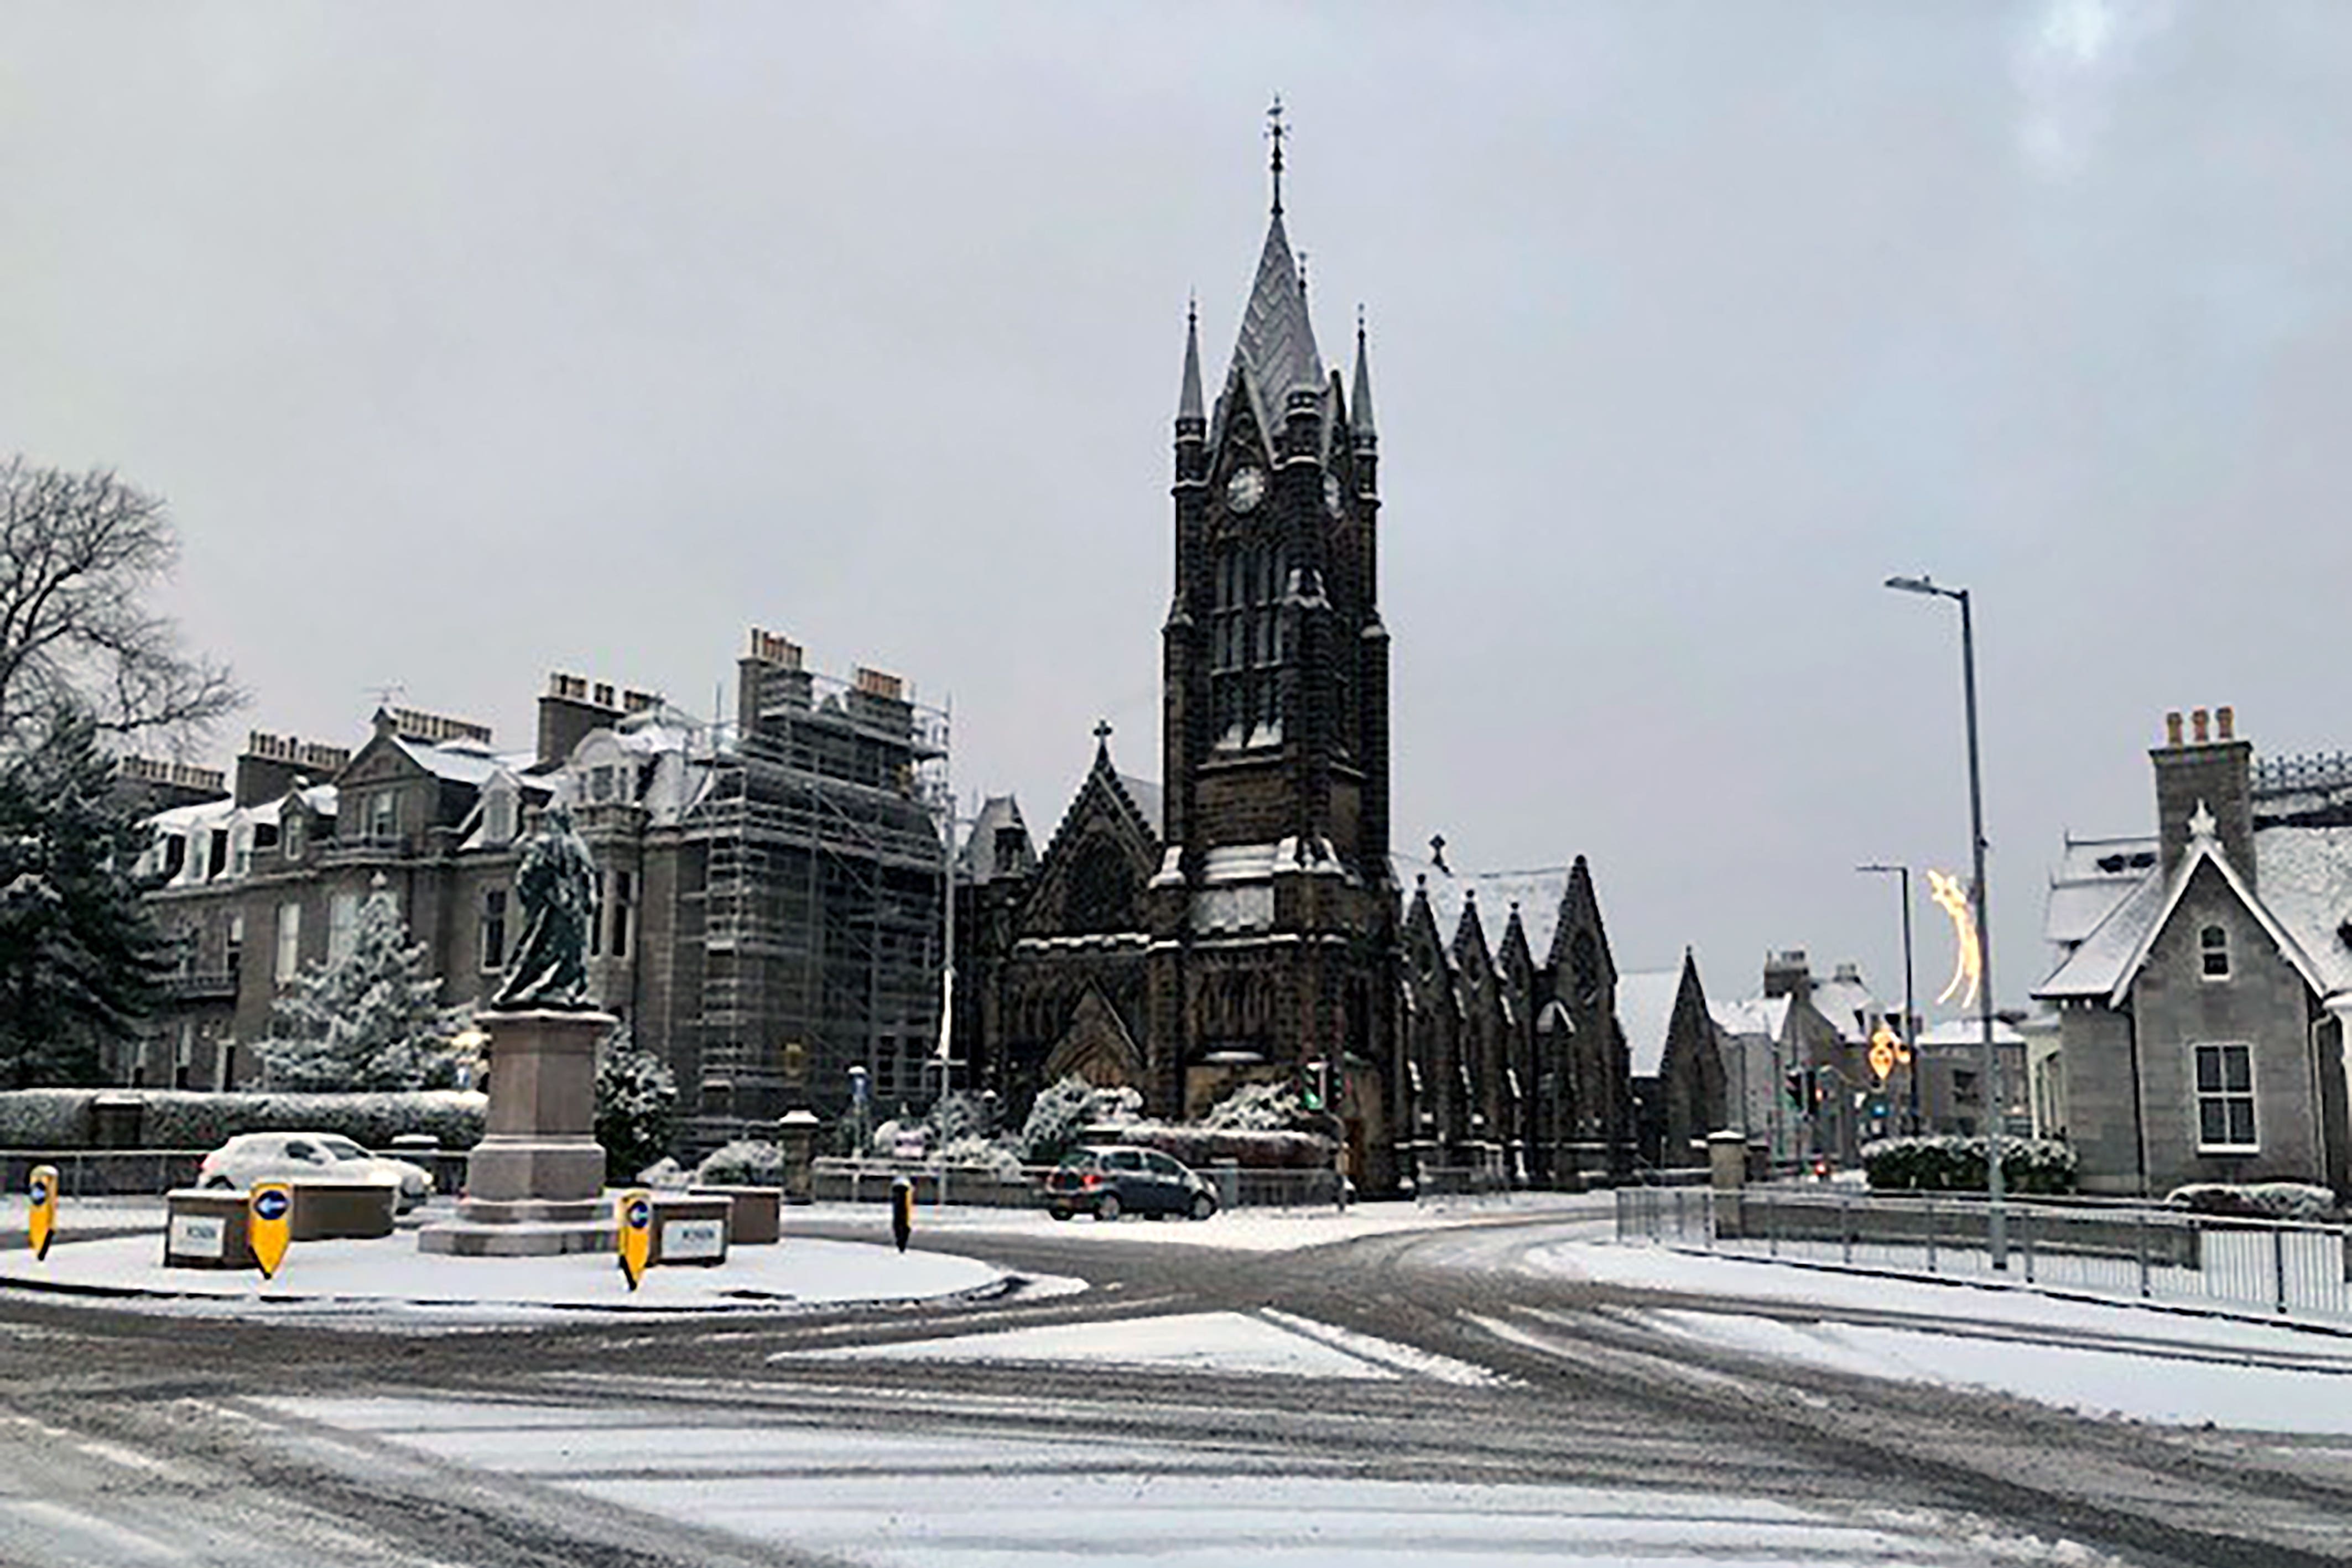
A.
pixel 1335 499
pixel 1245 489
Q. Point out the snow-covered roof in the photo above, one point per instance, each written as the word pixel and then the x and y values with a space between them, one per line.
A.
pixel 2091 970
pixel 2088 860
pixel 2305 876
pixel 1848 1005
pixel 2302 892
pixel 459 762
pixel 1538 894
pixel 1953 1032
pixel 2075 909
pixel 1645 1012
pixel 979 862
pixel 1764 1016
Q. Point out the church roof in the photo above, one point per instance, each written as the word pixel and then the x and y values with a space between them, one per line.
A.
pixel 1275 351
pixel 1150 802
pixel 1645 1013
pixel 1537 894
pixel 979 860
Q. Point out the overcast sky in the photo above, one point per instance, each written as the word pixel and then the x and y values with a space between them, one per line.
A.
pixel 469 342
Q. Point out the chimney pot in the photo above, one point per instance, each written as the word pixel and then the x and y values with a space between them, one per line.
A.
pixel 2172 727
pixel 2198 723
pixel 2227 718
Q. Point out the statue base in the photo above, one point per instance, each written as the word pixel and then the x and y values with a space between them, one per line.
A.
pixel 534 1184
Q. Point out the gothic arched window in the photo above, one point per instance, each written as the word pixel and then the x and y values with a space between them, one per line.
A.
pixel 1247 642
pixel 1102 889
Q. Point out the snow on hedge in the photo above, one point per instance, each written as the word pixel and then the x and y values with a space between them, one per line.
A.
pixel 2256 1200
pixel 1947 1163
pixel 61 1119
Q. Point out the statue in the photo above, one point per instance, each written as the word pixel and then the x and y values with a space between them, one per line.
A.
pixel 556 888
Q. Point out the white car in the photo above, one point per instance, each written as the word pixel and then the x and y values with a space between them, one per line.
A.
pixel 250 1157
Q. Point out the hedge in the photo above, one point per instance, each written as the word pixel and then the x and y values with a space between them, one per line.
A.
pixel 2256 1200
pixel 1957 1165
pixel 62 1120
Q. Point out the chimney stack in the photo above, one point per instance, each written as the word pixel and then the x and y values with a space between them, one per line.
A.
pixel 2211 770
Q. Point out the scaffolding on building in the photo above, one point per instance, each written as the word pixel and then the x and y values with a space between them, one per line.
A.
pixel 824 843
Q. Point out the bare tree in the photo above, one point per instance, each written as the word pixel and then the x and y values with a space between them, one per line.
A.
pixel 79 553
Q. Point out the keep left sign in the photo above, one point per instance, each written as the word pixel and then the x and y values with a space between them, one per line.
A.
pixel 41 1193
pixel 270 1223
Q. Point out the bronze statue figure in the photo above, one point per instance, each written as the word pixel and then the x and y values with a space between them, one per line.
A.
pixel 556 888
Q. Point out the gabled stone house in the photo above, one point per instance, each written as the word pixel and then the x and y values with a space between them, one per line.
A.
pixel 2202 1015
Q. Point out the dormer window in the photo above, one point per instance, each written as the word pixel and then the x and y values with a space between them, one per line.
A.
pixel 2213 952
pixel 499 816
pixel 295 833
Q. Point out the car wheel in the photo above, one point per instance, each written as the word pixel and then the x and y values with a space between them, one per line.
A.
pixel 1204 1205
pixel 1058 1212
pixel 1107 1206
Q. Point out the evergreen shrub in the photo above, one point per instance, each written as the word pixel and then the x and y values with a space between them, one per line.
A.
pixel 1946 1164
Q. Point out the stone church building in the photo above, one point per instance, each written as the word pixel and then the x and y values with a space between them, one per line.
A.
pixel 1243 921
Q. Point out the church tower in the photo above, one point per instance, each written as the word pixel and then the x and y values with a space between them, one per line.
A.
pixel 1273 912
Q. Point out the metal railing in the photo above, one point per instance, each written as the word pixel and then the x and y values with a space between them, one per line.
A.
pixel 2131 1252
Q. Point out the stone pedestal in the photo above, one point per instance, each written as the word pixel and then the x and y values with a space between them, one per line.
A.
pixel 796 1134
pixel 534 1184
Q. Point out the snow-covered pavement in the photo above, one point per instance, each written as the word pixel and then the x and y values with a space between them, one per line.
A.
pixel 2142 1363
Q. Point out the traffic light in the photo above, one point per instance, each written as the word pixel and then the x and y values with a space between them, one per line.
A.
pixel 1796 1088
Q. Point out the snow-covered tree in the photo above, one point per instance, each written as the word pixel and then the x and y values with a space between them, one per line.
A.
pixel 1262 1108
pixel 80 958
pixel 1064 1109
pixel 636 1106
pixel 368 1019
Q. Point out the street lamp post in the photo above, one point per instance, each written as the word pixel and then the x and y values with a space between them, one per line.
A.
pixel 1996 1215
pixel 1910 1008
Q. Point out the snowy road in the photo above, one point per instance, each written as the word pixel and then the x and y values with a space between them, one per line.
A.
pixel 1499 1392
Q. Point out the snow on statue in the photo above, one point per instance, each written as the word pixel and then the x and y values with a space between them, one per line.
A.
pixel 556 887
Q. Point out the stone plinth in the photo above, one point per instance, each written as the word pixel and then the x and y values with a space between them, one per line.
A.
pixel 534 1184
pixel 755 1217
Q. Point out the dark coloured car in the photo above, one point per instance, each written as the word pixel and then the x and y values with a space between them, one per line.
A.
pixel 1122 1179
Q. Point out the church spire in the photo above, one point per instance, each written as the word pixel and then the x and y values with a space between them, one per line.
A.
pixel 1189 407
pixel 1359 404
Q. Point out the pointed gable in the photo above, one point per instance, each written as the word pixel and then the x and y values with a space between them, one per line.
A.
pixel 2205 850
pixel 1583 969
pixel 1091 878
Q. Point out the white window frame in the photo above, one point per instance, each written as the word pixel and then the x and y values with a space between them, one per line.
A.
pixel 384 817
pixel 2199 1096
pixel 2206 950
pixel 290 943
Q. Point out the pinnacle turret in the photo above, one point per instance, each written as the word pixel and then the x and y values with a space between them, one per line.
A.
pixel 1359 403
pixel 1190 408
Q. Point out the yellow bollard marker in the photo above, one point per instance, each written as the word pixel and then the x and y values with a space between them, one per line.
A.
pixel 902 1210
pixel 270 1223
pixel 637 1233
pixel 42 1191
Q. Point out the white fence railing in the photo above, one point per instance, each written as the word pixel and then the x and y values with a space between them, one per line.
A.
pixel 2130 1252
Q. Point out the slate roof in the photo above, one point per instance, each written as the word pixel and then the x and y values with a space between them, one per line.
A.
pixel 1150 802
pixel 979 861
pixel 1276 346
pixel 1538 894
pixel 459 764
pixel 1848 1005
pixel 2093 968
pixel 2302 881
pixel 1645 1012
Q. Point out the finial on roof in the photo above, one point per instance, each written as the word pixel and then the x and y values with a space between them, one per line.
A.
pixel 1102 735
pixel 1420 882
pixel 2200 822
pixel 1274 132
pixel 1437 853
